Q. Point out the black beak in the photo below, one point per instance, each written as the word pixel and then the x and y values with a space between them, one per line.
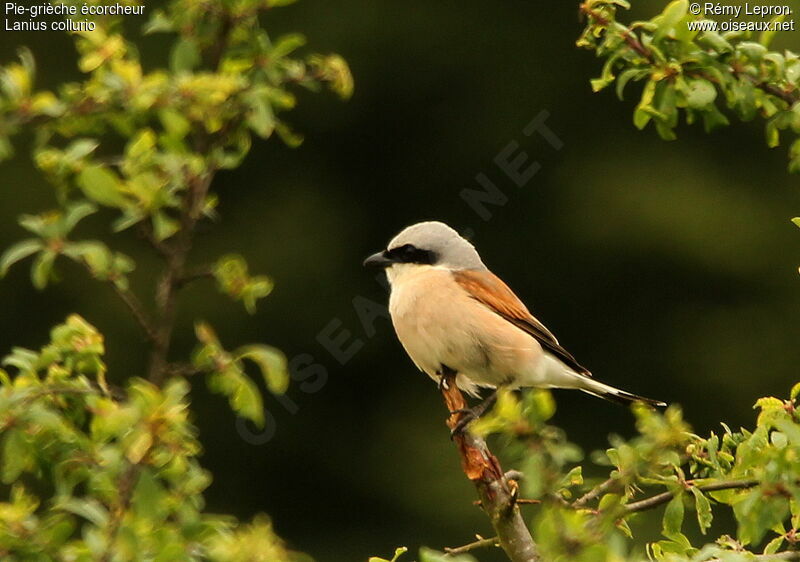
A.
pixel 378 260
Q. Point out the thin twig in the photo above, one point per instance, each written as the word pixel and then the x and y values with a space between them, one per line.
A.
pixel 482 543
pixel 195 275
pixel 137 310
pixel 127 482
pixel 182 370
pixel 595 492
pixel 518 501
pixel 659 499
pixel 627 33
pixel 134 306
pixel 788 555
pixel 145 232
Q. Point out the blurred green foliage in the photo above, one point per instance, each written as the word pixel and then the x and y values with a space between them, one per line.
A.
pixel 104 473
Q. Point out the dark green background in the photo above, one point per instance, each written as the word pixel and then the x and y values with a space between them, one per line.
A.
pixel 670 269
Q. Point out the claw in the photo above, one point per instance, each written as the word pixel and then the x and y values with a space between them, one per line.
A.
pixel 468 415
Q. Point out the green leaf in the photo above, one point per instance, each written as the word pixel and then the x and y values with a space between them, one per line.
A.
pixel 774 545
pixel 703 508
pixel 701 94
pixel 673 517
pixel 158 23
pixel 164 226
pixel 627 76
pixel 397 553
pixel 17 455
pixel 100 184
pixel 286 44
pixel 42 269
pixel 289 137
pixel 713 118
pixel 242 393
pixel 76 213
pixel 90 509
pixel 260 118
pixel 428 555
pixel 149 497
pixel 246 401
pixel 185 56
pixel 271 362
pixel 643 112
pixel 175 124
pixel 669 18
pixel 17 252
pixel 80 149
pixel 753 51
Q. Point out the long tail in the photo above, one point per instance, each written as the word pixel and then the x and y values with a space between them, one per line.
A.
pixel 596 388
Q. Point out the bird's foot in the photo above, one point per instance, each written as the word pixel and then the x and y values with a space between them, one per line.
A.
pixel 468 415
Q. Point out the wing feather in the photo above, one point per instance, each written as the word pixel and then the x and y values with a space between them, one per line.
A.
pixel 491 291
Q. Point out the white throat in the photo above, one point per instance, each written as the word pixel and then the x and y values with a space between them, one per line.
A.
pixel 399 272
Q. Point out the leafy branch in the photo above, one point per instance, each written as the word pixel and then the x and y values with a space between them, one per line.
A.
pixel 116 470
pixel 689 68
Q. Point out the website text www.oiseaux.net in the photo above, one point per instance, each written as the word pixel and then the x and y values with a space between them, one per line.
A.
pixel 747 17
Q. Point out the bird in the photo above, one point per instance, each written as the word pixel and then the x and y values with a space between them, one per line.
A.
pixel 453 316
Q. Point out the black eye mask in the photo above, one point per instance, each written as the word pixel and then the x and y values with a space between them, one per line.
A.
pixel 411 254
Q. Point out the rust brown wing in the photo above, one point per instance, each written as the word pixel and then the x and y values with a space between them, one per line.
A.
pixel 488 289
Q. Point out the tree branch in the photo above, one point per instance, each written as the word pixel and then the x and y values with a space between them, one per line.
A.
pixel 788 555
pixel 195 275
pixel 789 96
pixel 595 492
pixel 126 485
pixel 170 282
pixel 134 305
pixel 137 310
pixel 655 501
pixel 481 543
pixel 496 492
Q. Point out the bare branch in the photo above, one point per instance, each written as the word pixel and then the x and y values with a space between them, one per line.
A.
pixel 146 233
pixel 496 492
pixel 595 492
pixel 196 274
pixel 134 305
pixel 170 282
pixel 137 310
pixel 481 543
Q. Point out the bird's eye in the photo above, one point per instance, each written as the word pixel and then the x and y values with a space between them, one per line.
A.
pixel 407 252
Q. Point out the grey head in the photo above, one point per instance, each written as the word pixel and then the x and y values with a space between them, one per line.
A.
pixel 428 243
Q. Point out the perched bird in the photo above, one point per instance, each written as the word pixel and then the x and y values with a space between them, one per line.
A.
pixel 454 316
